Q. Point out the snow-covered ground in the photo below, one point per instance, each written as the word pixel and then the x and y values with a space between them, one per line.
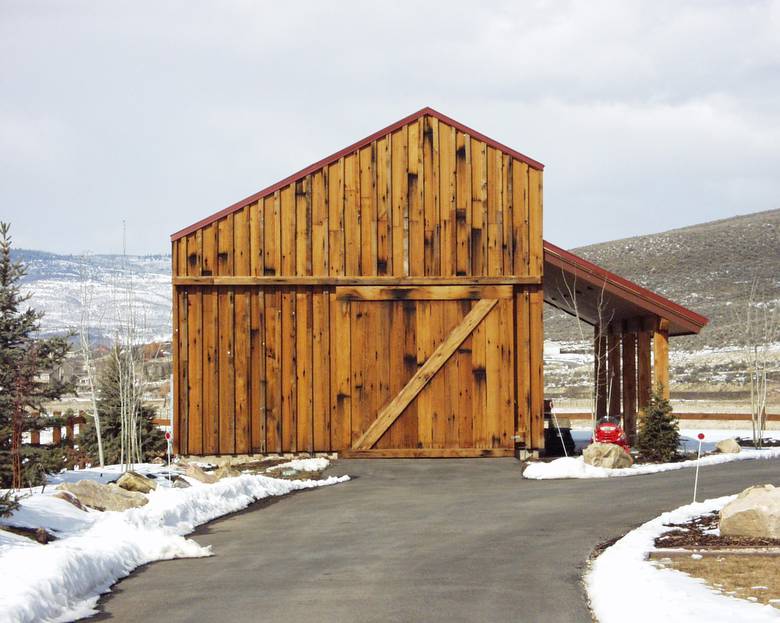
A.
pixel 575 467
pixel 63 580
pixel 622 583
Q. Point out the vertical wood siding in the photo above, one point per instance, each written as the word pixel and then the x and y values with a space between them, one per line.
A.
pixel 295 369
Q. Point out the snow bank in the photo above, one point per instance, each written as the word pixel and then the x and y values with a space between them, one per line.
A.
pixel 63 580
pixel 623 583
pixel 302 465
pixel 575 467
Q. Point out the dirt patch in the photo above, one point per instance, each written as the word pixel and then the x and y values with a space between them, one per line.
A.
pixel 754 577
pixel 698 533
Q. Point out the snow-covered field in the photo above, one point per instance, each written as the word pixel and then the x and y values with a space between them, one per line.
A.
pixel 623 585
pixel 63 580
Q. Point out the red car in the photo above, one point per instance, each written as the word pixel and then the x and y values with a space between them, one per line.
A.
pixel 609 430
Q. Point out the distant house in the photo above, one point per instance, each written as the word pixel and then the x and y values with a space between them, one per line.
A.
pixel 387 301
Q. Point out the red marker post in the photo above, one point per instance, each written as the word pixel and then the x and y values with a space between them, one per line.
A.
pixel 700 436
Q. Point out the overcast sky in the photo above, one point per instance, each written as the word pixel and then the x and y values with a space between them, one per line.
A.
pixel 648 115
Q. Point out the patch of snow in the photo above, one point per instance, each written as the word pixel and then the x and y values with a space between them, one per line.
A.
pixel 575 467
pixel 63 580
pixel 621 580
pixel 303 465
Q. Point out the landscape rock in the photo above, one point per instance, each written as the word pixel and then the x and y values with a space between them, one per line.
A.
pixel 226 471
pixel 69 497
pixel 607 455
pixel 193 471
pixel 158 460
pixel 180 483
pixel 133 481
pixel 755 513
pixel 728 446
pixel 102 497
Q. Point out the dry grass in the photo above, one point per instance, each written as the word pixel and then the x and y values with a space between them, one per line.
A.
pixel 755 577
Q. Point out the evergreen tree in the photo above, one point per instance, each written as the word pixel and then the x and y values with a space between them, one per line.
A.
pixel 23 356
pixel 659 435
pixel 152 439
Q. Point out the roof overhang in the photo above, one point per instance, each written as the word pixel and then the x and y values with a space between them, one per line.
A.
pixel 602 297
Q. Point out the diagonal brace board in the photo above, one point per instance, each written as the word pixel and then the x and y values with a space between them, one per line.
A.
pixel 393 409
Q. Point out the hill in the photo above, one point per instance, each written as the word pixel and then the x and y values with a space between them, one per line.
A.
pixel 57 283
pixel 708 268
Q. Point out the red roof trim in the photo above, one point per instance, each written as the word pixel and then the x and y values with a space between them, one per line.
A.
pixel 348 150
pixel 673 310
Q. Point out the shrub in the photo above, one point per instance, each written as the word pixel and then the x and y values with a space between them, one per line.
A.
pixel 659 435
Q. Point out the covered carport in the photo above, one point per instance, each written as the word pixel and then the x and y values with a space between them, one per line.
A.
pixel 632 327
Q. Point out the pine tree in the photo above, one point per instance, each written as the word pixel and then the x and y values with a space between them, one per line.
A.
pixel 23 356
pixel 659 435
pixel 152 439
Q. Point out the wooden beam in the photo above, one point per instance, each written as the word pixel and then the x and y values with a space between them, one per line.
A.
pixel 340 280
pixel 661 357
pixel 426 453
pixel 600 370
pixel 390 412
pixel 643 369
pixel 422 293
pixel 629 384
pixel 614 377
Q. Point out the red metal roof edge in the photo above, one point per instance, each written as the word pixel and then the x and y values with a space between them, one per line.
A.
pixel 347 150
pixel 676 309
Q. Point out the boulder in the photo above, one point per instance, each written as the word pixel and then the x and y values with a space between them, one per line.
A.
pixel 193 471
pixel 180 483
pixel 755 513
pixel 226 471
pixel 70 498
pixel 607 455
pixel 104 497
pixel 158 460
pixel 728 446
pixel 133 481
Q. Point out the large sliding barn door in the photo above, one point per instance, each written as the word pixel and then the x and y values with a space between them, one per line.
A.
pixel 426 371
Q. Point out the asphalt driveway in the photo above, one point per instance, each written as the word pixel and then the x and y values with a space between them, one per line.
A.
pixel 414 540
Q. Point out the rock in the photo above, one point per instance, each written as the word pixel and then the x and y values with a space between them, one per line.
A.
pixel 755 513
pixel 69 497
pixel 133 481
pixel 193 471
pixel 104 497
pixel 728 446
pixel 607 455
pixel 41 536
pixel 158 460
pixel 180 483
pixel 226 471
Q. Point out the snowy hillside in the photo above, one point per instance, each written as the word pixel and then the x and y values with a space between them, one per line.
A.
pixel 57 283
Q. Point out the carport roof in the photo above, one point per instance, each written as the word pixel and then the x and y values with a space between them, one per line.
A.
pixel 567 275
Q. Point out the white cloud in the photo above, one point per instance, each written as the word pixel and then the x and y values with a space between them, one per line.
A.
pixel 648 115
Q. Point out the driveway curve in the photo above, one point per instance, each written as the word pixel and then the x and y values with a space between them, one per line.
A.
pixel 414 540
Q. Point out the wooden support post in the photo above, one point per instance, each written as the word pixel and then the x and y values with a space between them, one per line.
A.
pixel 69 431
pixel 613 369
pixel 661 357
pixel 600 371
pixel 56 435
pixel 536 310
pixel 629 384
pixel 643 370
pixel 35 437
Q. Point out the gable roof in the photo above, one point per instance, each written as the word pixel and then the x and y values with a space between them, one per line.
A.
pixel 350 149
pixel 565 272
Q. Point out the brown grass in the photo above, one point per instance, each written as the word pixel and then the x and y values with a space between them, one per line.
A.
pixel 735 575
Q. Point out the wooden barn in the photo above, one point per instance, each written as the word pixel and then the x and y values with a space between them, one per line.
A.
pixel 387 301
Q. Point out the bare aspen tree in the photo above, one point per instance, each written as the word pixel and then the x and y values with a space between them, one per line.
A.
pixel 760 323
pixel 603 318
pixel 86 350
